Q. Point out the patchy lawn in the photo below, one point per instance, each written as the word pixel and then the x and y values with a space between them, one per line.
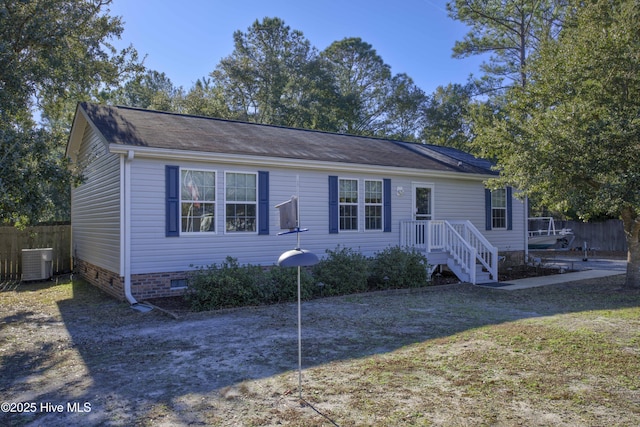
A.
pixel 452 355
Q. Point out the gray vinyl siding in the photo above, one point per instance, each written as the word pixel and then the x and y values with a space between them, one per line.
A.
pixel 510 240
pixel 95 205
pixel 152 251
pixel 459 199
pixel 178 253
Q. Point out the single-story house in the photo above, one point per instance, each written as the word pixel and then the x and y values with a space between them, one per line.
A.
pixel 165 193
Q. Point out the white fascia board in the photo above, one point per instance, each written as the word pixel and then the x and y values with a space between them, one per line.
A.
pixel 76 134
pixel 283 162
pixel 80 122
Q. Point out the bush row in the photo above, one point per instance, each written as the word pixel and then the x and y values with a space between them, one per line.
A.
pixel 342 271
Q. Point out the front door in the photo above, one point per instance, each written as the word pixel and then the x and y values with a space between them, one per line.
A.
pixel 422 210
pixel 423 202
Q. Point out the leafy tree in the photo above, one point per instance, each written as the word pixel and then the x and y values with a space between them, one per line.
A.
pixel 275 76
pixel 446 116
pixel 263 79
pixel 52 54
pixel 312 99
pixel 509 30
pixel 152 90
pixel 204 99
pixel 363 82
pixel 404 109
pixel 570 138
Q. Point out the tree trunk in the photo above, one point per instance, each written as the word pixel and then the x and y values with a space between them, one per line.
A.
pixel 631 224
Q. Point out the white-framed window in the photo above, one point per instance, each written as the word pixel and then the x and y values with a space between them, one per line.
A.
pixel 499 208
pixel 241 195
pixel 373 204
pixel 197 201
pixel 348 204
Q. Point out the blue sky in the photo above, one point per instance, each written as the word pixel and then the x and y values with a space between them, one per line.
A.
pixel 186 39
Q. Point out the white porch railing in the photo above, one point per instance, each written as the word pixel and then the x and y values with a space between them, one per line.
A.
pixel 464 244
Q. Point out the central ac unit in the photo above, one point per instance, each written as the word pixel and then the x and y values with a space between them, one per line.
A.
pixel 37 264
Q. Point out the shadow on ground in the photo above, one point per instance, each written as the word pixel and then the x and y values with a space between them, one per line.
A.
pixel 87 348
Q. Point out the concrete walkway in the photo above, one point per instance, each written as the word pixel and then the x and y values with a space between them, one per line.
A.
pixel 587 269
pixel 532 282
pixel 573 263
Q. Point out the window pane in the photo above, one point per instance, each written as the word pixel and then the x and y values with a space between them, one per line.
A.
pixel 251 194
pixel 209 193
pixel 373 205
pixel 241 195
pixel 231 180
pixel 241 187
pixel 373 192
pixel 348 191
pixel 198 193
pixel 423 203
pixel 198 217
pixel 231 193
pixel 499 208
pixel 373 217
pixel 499 198
pixel 348 217
pixel 499 218
pixel 348 200
pixel 241 217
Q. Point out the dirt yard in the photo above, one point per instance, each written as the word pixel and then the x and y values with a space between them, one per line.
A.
pixel 452 355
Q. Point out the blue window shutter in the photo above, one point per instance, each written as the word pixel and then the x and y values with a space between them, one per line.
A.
pixel 333 204
pixel 263 202
pixel 386 197
pixel 487 209
pixel 172 195
pixel 509 207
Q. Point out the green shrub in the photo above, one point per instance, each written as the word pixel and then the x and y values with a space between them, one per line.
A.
pixel 396 268
pixel 343 271
pixel 226 285
pixel 281 285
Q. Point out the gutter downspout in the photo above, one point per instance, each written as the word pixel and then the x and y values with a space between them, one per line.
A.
pixel 125 224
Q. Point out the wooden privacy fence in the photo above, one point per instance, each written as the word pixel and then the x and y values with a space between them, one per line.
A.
pixel 603 236
pixel 13 241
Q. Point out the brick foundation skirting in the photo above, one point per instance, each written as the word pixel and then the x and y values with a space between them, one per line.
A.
pixel 156 285
pixel 108 281
pixel 143 286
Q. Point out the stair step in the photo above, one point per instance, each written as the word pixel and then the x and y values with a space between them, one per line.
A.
pixel 483 276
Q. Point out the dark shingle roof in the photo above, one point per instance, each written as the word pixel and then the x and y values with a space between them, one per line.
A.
pixel 453 157
pixel 155 129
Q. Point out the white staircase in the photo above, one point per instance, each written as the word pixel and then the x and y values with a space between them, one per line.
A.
pixel 459 244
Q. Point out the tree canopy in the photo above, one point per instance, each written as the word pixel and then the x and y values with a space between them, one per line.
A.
pixel 274 75
pixel 52 54
pixel 509 31
pixel 446 116
pixel 267 75
pixel 571 137
pixel 362 80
